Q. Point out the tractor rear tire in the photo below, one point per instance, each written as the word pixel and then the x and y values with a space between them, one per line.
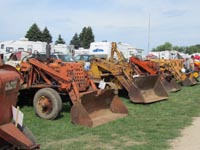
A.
pixel 47 104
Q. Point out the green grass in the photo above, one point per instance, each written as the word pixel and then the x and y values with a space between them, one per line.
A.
pixel 147 127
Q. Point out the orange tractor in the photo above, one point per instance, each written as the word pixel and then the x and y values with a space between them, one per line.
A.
pixel 12 137
pixel 152 68
pixel 51 80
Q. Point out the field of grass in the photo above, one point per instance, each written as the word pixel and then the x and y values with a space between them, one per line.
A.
pixel 147 127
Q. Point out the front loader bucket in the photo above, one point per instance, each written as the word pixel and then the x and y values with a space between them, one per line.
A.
pixel 189 80
pixel 12 135
pixel 147 89
pixel 171 85
pixel 96 109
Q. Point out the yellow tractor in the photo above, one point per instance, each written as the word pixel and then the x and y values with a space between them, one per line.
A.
pixel 174 67
pixel 118 74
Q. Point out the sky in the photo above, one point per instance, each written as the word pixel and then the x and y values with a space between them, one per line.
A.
pixel 144 24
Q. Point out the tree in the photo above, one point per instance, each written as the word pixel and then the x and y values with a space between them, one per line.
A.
pixel 184 49
pixel 60 40
pixel 193 49
pixel 180 48
pixel 86 37
pixel 46 36
pixel 165 46
pixel 34 33
pixel 75 41
pixel 82 36
pixel 89 37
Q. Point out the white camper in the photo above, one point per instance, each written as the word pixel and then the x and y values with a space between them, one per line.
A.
pixel 22 45
pixel 9 47
pixel 100 49
pixel 60 48
pixel 80 51
pixel 103 49
pixel 165 54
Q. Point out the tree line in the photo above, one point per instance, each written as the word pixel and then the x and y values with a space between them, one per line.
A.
pixel 35 34
pixel 78 40
pixel 86 36
pixel 184 49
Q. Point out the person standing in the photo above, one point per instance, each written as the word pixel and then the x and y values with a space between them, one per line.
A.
pixel 191 64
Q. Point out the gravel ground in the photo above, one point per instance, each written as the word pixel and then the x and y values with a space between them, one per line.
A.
pixel 190 139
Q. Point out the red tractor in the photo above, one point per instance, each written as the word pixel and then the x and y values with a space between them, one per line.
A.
pixel 12 136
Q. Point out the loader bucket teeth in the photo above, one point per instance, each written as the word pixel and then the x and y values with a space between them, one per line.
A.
pixel 171 85
pixel 147 89
pixel 97 108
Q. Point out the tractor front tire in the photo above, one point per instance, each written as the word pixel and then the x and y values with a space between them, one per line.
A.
pixel 59 99
pixel 46 103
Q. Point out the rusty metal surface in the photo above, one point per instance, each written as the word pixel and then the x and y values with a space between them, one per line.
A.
pixel 9 86
pixel 11 68
pixel 8 132
pixel 59 73
pixel 147 89
pixel 152 68
pixel 171 85
pixel 10 135
pixel 189 80
pixel 97 108
pixel 44 105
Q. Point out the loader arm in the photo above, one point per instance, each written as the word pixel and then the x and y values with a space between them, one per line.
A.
pixel 120 57
pixel 50 71
pixel 65 77
pixel 140 89
pixel 147 66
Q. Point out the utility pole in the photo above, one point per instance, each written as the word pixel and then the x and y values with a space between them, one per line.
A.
pixel 149 25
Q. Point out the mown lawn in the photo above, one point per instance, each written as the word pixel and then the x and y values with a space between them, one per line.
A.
pixel 147 127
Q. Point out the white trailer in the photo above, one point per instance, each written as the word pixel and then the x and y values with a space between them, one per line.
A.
pixel 103 49
pixel 100 49
pixel 80 51
pixel 60 48
pixel 22 45
pixel 166 54
pixel 8 47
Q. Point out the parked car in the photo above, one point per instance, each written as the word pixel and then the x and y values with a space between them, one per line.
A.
pixel 61 56
pixel 86 58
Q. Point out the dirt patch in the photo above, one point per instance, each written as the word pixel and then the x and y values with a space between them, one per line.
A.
pixel 66 142
pixel 94 142
pixel 190 137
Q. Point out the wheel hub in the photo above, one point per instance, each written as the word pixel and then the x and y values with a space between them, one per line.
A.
pixel 44 105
